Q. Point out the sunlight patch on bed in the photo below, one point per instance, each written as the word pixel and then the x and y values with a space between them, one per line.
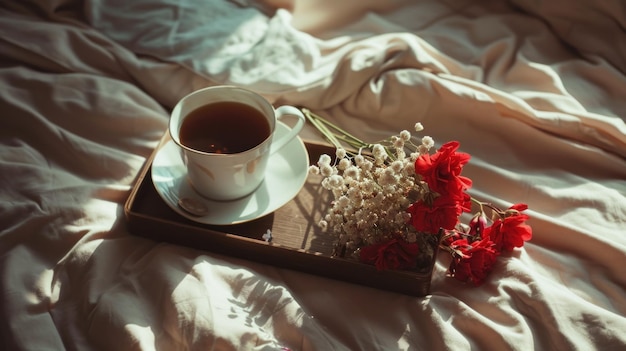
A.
pixel 143 335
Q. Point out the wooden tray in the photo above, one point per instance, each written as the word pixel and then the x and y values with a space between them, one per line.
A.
pixel 297 242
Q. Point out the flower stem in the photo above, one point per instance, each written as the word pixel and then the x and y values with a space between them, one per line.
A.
pixel 333 133
pixel 479 203
pixel 488 205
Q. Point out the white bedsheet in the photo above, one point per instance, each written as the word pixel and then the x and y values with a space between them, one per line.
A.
pixel 535 91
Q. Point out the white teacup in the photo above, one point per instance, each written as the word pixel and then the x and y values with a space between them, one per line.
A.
pixel 220 169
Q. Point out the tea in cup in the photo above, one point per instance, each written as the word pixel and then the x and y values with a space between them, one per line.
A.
pixel 226 135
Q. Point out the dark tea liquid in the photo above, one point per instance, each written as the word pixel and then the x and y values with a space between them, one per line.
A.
pixel 224 127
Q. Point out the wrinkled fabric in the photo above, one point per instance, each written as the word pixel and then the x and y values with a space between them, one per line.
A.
pixel 533 91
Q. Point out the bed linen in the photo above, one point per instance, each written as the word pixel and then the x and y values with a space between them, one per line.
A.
pixel 535 91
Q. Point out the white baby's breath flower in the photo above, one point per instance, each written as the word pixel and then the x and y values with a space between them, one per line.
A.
pixel 405 135
pixel 324 160
pixel 314 170
pixel 389 188
pixel 335 181
pixel 343 164
pixel 378 172
pixel 349 181
pixel 400 154
pixel 397 166
pixel 352 172
pixel 367 186
pixel 387 178
pixel 379 153
pixel 397 142
pixel 419 127
pixel 340 153
pixel 359 159
pixel 367 165
pixel 355 195
pixel 389 170
pixel 323 224
pixel 428 142
pixel 326 170
pixel 343 202
pixel 326 184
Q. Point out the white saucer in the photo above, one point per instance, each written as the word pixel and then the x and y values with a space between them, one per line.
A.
pixel 286 173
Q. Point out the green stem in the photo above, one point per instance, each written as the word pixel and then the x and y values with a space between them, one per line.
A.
pixel 322 128
pixel 479 203
pixel 344 134
pixel 335 135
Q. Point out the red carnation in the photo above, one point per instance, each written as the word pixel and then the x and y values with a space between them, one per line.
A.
pixel 473 261
pixel 442 170
pixel 511 231
pixel 477 224
pixel 443 213
pixel 391 254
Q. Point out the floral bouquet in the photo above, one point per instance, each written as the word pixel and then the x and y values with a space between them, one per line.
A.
pixel 396 200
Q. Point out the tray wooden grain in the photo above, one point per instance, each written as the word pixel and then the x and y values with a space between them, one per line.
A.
pixel 297 242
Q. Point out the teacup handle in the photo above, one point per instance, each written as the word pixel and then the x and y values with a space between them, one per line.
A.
pixel 281 112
